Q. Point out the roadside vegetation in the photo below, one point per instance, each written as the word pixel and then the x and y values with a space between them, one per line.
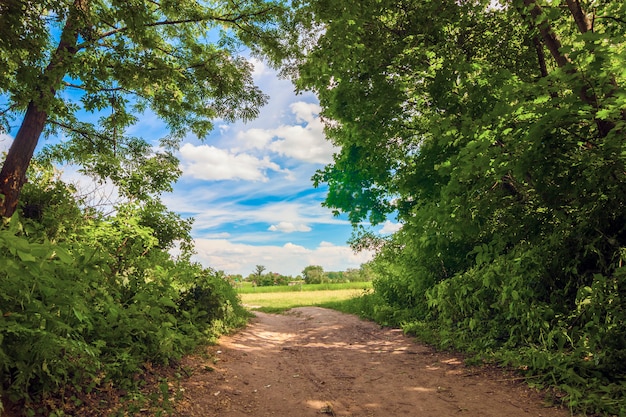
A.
pixel 91 304
pixel 493 132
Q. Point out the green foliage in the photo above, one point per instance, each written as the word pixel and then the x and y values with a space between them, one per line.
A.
pixel 89 301
pixel 85 70
pixel 495 135
pixel 313 274
pixel 132 56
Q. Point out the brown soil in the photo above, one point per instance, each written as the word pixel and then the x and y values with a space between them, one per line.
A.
pixel 314 362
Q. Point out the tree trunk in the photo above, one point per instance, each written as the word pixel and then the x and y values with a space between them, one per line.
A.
pixel 13 173
pixel 553 44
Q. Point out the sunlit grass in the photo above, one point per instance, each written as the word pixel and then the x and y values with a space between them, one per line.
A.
pixel 247 288
pixel 280 301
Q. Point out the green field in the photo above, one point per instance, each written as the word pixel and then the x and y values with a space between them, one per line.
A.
pixel 280 301
pixel 247 288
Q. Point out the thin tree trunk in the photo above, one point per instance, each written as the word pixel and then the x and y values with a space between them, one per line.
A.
pixel 553 44
pixel 580 17
pixel 13 173
pixel 541 57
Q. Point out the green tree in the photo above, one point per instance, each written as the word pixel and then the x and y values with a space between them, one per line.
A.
pixel 65 63
pixel 313 274
pixel 496 136
pixel 257 276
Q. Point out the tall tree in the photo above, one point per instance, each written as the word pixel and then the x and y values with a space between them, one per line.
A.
pixel 495 132
pixel 473 123
pixel 258 270
pixel 64 63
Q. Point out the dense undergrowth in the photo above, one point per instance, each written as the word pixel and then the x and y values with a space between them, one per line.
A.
pixel 577 356
pixel 91 303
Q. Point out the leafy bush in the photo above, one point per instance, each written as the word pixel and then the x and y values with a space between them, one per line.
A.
pixel 88 301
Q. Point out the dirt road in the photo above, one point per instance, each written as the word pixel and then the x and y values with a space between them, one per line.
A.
pixel 314 362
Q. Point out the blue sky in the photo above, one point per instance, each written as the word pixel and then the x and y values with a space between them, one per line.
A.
pixel 248 187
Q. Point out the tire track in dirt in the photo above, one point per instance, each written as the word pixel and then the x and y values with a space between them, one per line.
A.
pixel 313 361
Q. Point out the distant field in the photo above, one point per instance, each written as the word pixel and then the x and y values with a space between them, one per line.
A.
pixel 278 301
pixel 247 288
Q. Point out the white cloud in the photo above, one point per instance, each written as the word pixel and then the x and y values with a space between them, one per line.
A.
pixel 102 196
pixel 288 227
pixel 305 142
pixel 289 259
pixel 5 142
pixel 389 228
pixel 210 163
pixel 254 138
pixel 259 68
pixel 285 217
pixel 306 112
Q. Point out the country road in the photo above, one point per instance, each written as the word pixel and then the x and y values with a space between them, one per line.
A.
pixel 315 362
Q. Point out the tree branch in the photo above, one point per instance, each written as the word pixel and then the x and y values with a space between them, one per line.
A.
pixel 224 19
pixel 617 19
pixel 553 44
pixel 547 33
pixel 105 90
pixel 83 133
pixel 581 19
pixel 9 109
pixel 541 57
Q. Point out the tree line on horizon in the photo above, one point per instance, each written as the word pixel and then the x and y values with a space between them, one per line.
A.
pixel 312 274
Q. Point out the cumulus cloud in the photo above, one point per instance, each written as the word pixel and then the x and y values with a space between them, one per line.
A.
pixel 289 259
pixel 389 228
pixel 304 141
pixel 210 163
pixel 254 138
pixel 288 227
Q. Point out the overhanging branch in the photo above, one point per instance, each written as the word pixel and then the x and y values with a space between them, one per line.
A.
pixel 235 19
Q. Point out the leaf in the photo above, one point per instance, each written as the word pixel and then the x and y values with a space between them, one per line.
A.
pixel 25 256
pixel 64 255
pixel 167 302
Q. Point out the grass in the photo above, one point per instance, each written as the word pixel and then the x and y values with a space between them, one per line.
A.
pixel 247 288
pixel 276 302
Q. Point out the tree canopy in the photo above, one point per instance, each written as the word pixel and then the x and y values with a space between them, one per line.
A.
pixel 86 69
pixel 494 131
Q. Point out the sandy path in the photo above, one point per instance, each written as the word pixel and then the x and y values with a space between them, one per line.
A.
pixel 315 362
